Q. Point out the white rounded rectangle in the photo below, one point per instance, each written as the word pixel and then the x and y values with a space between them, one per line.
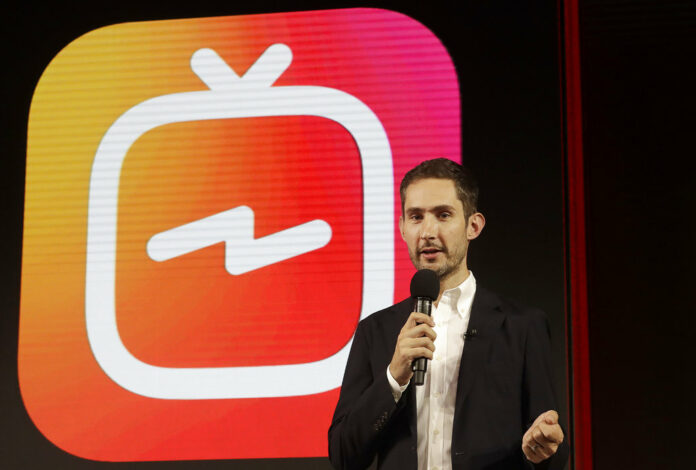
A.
pixel 229 97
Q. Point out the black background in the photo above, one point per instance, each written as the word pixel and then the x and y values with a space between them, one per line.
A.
pixel 638 104
pixel 638 98
pixel 506 54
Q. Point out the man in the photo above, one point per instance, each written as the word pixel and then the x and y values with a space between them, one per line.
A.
pixel 487 401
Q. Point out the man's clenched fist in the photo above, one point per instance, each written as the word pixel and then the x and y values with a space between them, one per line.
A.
pixel 542 438
pixel 415 340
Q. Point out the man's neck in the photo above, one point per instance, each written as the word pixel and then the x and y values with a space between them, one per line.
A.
pixel 452 281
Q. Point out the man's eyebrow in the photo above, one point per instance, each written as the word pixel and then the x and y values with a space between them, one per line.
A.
pixel 440 208
pixel 443 207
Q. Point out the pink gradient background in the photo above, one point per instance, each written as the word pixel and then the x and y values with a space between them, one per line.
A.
pixel 189 311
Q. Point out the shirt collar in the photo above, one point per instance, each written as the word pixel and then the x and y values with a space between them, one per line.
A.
pixel 462 296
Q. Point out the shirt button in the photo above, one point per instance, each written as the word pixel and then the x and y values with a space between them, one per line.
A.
pixel 436 432
pixel 437 357
pixel 434 468
pixel 436 394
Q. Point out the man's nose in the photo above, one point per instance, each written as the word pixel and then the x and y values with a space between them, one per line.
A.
pixel 428 228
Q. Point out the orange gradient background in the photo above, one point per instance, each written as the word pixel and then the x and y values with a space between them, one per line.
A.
pixel 188 311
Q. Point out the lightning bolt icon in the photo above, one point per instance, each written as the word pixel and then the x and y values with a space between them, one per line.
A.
pixel 243 252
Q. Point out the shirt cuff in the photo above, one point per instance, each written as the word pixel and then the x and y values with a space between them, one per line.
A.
pixel 396 389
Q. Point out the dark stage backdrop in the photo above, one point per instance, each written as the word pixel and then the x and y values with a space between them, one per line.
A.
pixel 506 59
pixel 639 98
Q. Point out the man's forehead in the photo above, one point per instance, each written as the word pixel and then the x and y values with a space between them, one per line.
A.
pixel 428 193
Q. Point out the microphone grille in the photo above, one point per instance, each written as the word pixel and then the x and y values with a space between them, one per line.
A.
pixel 425 284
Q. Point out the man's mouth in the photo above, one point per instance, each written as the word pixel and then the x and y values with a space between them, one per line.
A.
pixel 430 252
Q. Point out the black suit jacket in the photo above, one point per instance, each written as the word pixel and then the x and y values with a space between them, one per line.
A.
pixel 504 384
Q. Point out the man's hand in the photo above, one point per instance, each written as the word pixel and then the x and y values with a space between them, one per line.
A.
pixel 542 438
pixel 415 340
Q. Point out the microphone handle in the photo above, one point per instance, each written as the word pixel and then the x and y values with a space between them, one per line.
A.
pixel 420 365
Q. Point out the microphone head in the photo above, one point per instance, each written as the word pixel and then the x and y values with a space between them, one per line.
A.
pixel 425 284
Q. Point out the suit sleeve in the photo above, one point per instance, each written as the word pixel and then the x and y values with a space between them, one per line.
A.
pixel 538 385
pixel 364 410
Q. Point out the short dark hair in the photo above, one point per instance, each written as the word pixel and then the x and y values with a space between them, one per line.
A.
pixel 444 168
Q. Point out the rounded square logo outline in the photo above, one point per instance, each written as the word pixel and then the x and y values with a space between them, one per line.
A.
pixel 70 424
pixel 230 96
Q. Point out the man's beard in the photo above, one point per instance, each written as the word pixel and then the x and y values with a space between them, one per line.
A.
pixel 451 264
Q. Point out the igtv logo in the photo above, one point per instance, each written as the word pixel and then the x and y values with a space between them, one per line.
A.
pixel 210 210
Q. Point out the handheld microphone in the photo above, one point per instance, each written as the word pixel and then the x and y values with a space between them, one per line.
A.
pixel 425 287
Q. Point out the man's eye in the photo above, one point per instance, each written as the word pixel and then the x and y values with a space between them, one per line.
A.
pixel 416 217
pixel 445 215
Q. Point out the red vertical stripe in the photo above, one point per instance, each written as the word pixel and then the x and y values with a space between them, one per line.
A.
pixel 580 378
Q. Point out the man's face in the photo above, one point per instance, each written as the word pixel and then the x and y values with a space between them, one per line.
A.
pixel 434 227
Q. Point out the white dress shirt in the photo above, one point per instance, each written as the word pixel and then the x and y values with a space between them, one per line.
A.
pixel 435 399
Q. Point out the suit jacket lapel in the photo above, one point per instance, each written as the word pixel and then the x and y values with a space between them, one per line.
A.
pixel 486 318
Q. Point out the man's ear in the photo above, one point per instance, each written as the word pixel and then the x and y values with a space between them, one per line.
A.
pixel 401 227
pixel 476 223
